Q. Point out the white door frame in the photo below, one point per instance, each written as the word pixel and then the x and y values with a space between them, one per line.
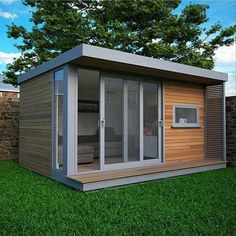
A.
pixel 101 123
pixel 141 162
pixel 159 124
pixel 71 119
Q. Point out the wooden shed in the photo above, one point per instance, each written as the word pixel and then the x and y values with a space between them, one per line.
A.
pixel 95 117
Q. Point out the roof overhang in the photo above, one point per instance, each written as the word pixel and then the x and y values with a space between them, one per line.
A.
pixel 113 60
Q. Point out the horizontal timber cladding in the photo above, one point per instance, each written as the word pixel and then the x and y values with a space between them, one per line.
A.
pixel 35 124
pixel 183 144
pixel 214 122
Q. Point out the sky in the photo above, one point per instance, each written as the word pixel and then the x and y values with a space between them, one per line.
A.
pixel 223 11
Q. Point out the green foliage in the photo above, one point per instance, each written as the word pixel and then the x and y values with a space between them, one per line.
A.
pixel 145 27
pixel 198 204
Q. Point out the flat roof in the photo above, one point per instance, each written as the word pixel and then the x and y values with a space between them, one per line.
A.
pixel 98 57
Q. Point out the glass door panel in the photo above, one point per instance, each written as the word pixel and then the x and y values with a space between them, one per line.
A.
pixel 113 145
pixel 150 121
pixel 88 156
pixel 58 104
pixel 133 121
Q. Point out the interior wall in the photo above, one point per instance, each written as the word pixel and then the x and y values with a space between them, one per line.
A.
pixel 87 124
pixel 183 144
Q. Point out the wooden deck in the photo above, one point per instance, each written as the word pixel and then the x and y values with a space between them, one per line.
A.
pixel 141 171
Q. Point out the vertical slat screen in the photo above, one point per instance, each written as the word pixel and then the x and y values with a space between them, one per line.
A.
pixel 214 122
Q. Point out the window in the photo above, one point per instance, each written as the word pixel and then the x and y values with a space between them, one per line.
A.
pixel 185 116
pixel 58 99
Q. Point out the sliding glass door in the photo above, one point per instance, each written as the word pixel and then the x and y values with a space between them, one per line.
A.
pixel 150 121
pixel 121 121
pixel 130 122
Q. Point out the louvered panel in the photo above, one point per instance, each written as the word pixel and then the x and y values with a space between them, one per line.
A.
pixel 214 122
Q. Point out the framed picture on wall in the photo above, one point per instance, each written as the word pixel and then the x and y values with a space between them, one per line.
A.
pixel 88 106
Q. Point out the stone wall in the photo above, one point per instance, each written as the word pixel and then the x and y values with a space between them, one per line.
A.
pixel 9 116
pixel 231 130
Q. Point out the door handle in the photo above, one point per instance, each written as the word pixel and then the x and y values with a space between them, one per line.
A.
pixel 161 123
pixel 102 122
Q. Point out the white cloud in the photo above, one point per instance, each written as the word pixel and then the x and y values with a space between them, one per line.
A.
pixel 7 15
pixel 226 54
pixel 225 61
pixel 8 57
pixel 225 58
pixel 231 85
pixel 7 1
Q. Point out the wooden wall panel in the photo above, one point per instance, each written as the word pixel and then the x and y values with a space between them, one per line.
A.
pixel 35 124
pixel 183 144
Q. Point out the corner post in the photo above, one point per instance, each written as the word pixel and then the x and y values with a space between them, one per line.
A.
pixel 70 119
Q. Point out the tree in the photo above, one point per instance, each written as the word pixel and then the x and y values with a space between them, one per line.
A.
pixel 145 27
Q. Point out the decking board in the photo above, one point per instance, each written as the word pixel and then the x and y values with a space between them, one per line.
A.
pixel 130 172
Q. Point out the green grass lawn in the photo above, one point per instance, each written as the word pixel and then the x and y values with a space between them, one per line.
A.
pixel 198 204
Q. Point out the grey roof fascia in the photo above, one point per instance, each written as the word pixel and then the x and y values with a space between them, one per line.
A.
pixel 152 63
pixel 89 51
pixel 56 62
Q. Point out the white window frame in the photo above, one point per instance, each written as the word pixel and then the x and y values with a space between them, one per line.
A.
pixel 186 125
pixel 70 110
pixel 55 162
